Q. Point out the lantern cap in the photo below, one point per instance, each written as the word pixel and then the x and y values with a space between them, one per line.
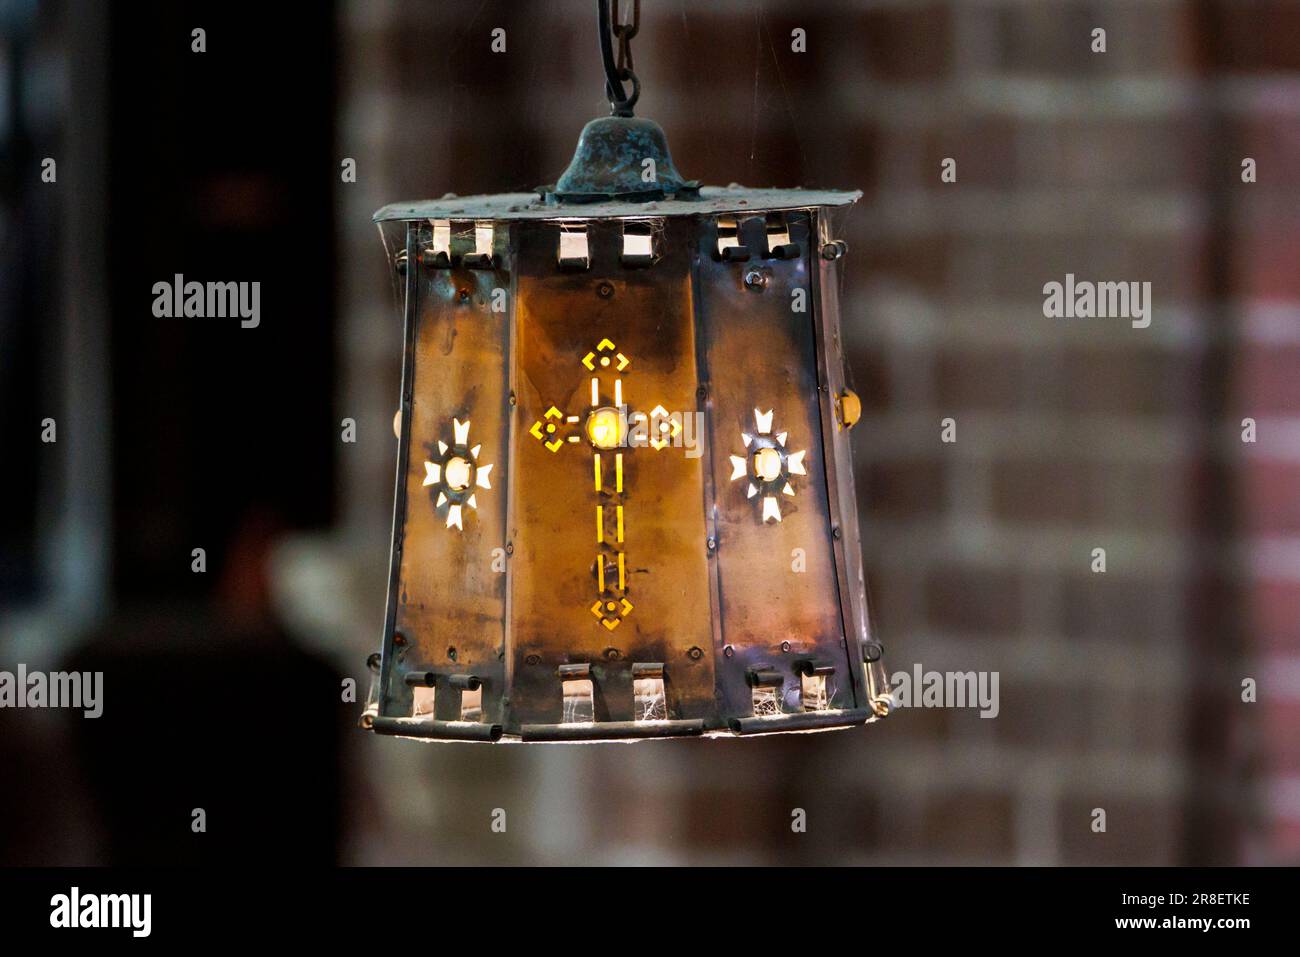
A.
pixel 621 158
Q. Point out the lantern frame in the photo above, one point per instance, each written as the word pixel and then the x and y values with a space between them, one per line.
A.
pixel 690 297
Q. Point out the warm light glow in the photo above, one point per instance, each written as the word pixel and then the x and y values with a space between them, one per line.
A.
pixel 767 464
pixel 461 470
pixel 457 473
pixel 604 428
pixel 767 467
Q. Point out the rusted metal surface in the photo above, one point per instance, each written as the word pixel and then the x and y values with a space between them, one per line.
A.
pixel 647 584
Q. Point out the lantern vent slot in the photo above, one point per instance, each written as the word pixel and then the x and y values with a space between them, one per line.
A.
pixel 778 238
pixel 422 693
pixel 814 689
pixel 437 254
pixel 482 257
pixel 578 694
pixel 422 701
pixel 471 704
pixel 651 703
pixel 574 252
pixel 765 684
pixel 812 692
pixel 730 248
pixel 638 243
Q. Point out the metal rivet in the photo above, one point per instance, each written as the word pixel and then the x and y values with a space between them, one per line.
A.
pixel 463 294
pixel 513 399
pixel 605 290
pixel 399 638
pixel 510 548
pixel 711 544
pixel 834 249
pixel 451 653
pixel 611 654
pixel 836 533
pixel 532 660
pixel 785 646
pixel 695 654
pixel 873 650
pixel 755 279
pixel 729 651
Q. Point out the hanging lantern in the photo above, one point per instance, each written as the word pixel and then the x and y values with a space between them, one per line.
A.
pixel 624 503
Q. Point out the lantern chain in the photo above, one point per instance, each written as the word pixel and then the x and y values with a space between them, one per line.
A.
pixel 619 71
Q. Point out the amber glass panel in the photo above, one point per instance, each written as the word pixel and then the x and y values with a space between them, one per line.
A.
pixel 566 591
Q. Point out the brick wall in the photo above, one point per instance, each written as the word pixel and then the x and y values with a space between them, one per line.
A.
pixel 1118 690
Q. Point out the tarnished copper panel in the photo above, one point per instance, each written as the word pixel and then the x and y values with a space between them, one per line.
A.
pixel 645 319
pixel 451 589
pixel 777 584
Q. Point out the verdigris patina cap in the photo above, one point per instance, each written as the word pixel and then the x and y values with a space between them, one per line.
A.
pixel 621 157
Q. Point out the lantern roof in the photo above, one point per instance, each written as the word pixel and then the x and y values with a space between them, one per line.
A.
pixel 709 200
pixel 621 168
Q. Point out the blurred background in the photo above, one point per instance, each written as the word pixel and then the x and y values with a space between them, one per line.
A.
pixel 1119 690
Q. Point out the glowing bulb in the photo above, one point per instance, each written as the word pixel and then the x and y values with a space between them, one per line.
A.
pixel 767 464
pixel 604 428
pixel 456 473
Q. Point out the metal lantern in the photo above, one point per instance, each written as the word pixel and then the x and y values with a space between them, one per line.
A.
pixel 624 504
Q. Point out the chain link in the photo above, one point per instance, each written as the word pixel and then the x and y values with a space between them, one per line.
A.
pixel 625 31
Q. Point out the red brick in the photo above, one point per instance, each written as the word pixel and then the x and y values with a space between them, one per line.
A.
pixel 978 824
pixel 1266 381
pixel 1043 490
pixel 903 43
pixel 1270 497
pixel 912 488
pixel 1274 610
pixel 1139 831
pixel 1278 723
pixel 1124 380
pixel 1255 36
pixel 1113 606
pixel 1093 493
pixel 970 378
pixel 974 600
